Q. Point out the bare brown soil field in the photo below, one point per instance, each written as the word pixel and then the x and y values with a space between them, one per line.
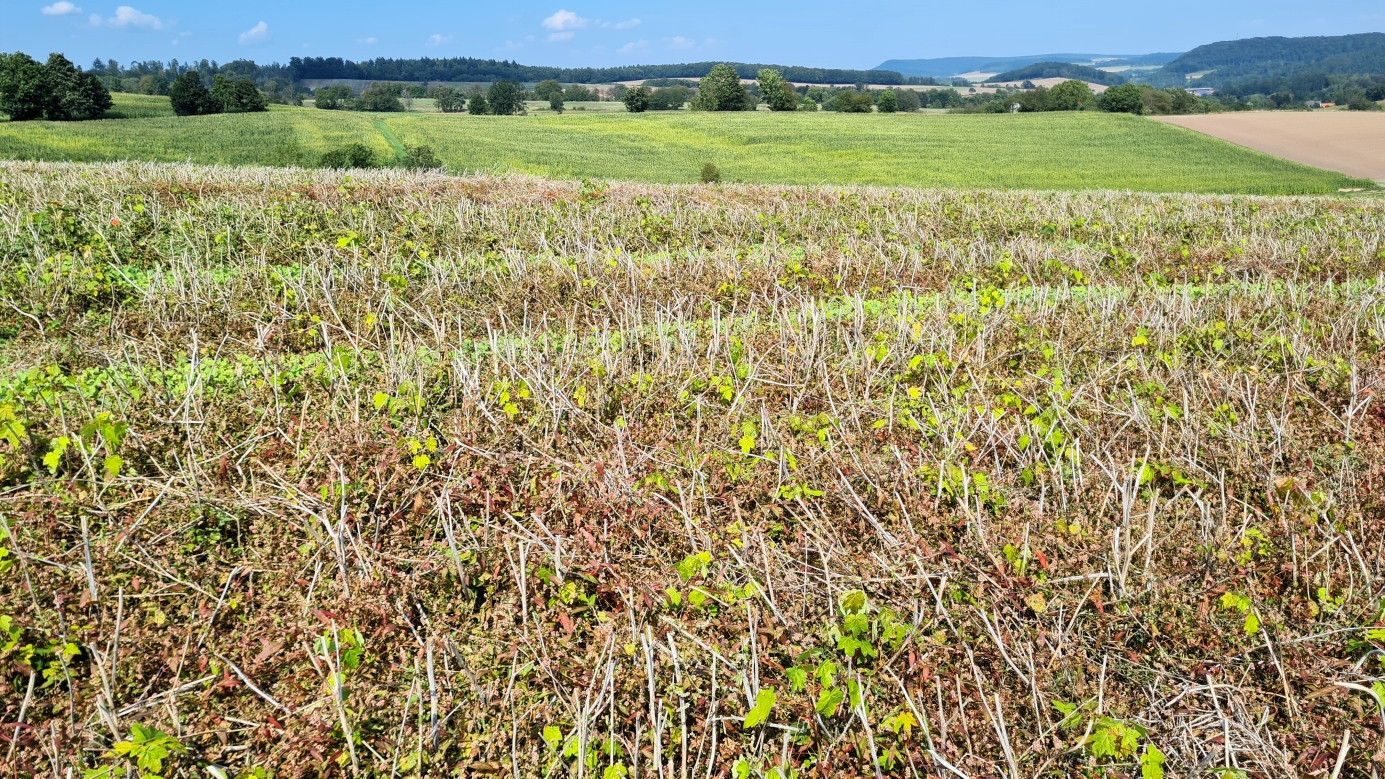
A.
pixel 1352 143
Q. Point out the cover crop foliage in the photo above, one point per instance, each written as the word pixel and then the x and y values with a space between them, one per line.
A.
pixel 396 474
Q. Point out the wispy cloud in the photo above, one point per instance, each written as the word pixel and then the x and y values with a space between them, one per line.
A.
pixel 680 43
pixel 633 46
pixel 125 16
pixel 438 40
pixel 257 34
pixel 566 35
pixel 62 8
pixel 628 24
pixel 368 41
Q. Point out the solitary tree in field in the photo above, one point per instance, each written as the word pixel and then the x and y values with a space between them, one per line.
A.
pixel 189 96
pixel 637 100
pixel 721 90
pixel 506 98
pixel 777 93
pixel 556 102
pixel 889 102
pixel 1070 95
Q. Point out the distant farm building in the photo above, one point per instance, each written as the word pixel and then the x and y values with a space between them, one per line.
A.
pixel 1202 91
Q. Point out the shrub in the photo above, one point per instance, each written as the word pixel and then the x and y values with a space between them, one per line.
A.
pixel 710 174
pixel 1362 103
pixel 556 103
pixel 352 155
pixel 809 104
pixel 889 102
pixel 416 158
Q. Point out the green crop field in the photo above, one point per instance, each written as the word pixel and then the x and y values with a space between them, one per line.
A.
pixel 1058 151
pixel 392 474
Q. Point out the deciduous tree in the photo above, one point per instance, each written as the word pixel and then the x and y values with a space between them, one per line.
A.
pixel 1072 95
pixel 777 93
pixel 637 100
pixel 189 96
pixel 506 98
pixel 721 90
pixel 23 94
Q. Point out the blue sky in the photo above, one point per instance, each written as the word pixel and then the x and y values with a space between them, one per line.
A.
pixel 609 32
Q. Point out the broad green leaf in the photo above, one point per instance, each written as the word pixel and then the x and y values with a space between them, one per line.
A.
pixel 757 716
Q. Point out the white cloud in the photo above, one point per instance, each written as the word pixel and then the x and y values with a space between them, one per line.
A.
pixel 628 24
pixel 560 36
pixel 633 46
pixel 62 8
pixel 368 41
pixel 679 42
pixel 564 21
pixel 438 40
pixel 125 16
pixel 257 34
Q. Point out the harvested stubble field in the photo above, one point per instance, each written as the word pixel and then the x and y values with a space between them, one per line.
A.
pixel 393 475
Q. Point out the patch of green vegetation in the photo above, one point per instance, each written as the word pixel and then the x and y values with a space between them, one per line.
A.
pixel 1042 152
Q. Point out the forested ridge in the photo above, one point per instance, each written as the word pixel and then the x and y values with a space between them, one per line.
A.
pixel 470 69
pixel 1230 62
pixel 1061 70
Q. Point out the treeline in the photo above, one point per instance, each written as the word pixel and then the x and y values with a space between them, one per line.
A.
pixel 1074 95
pixel 1361 93
pixel 469 69
pixel 152 77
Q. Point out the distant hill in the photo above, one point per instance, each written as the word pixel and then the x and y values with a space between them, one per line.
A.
pixel 946 67
pixel 1062 70
pixel 466 69
pixel 1229 62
